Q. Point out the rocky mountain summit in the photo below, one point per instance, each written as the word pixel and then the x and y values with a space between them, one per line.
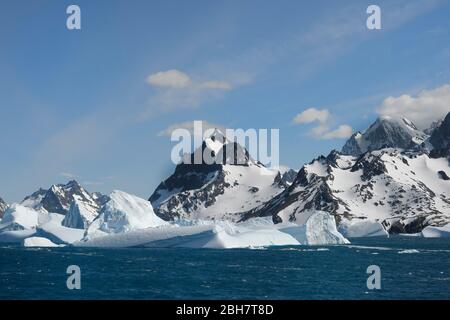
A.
pixel 233 183
pixel 59 197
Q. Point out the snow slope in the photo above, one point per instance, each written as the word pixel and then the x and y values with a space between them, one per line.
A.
pixel 403 191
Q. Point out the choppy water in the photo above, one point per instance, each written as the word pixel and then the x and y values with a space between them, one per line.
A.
pixel 411 268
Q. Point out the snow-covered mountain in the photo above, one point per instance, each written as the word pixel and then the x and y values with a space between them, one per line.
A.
pixel 385 132
pixel 402 190
pixel 220 190
pixel 3 207
pixel 59 197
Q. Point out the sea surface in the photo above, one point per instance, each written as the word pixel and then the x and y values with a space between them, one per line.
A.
pixel 411 268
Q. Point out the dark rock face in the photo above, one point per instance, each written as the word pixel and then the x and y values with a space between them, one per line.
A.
pixel 405 225
pixel 3 207
pixel 371 165
pixel 100 199
pixel 59 197
pixel 440 139
pixel 443 175
pixel 285 179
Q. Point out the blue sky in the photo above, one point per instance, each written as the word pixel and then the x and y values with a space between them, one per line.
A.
pixel 80 103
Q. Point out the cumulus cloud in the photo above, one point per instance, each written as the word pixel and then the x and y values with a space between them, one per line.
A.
pixel 312 115
pixel 323 129
pixel 422 109
pixel 189 125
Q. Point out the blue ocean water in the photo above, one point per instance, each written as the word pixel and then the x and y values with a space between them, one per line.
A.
pixel 411 268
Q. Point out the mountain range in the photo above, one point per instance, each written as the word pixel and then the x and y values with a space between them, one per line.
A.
pixel 392 177
pixel 392 173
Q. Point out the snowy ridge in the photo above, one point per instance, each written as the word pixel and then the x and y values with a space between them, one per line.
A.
pixel 403 192
pixel 59 197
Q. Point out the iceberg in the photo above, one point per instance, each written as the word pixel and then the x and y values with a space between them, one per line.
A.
pixel 436 232
pixel 356 228
pixel 319 228
pixel 51 227
pixel 38 242
pixel 123 213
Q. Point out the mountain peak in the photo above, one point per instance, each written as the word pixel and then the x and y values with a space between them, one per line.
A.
pixel 59 197
pixel 385 132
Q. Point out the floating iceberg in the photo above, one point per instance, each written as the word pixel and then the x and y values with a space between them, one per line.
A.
pixel 38 242
pixel 319 229
pixel 123 213
pixel 128 221
pixel 436 232
pixel 356 228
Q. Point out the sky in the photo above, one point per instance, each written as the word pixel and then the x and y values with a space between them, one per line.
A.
pixel 96 104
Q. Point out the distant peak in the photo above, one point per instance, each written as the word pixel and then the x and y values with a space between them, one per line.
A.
pixel 72 183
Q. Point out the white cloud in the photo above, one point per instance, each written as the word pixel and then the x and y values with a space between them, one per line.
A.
pixel 169 79
pixel 189 125
pixel 342 132
pixel 177 90
pixel 424 108
pixel 312 115
pixel 322 130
